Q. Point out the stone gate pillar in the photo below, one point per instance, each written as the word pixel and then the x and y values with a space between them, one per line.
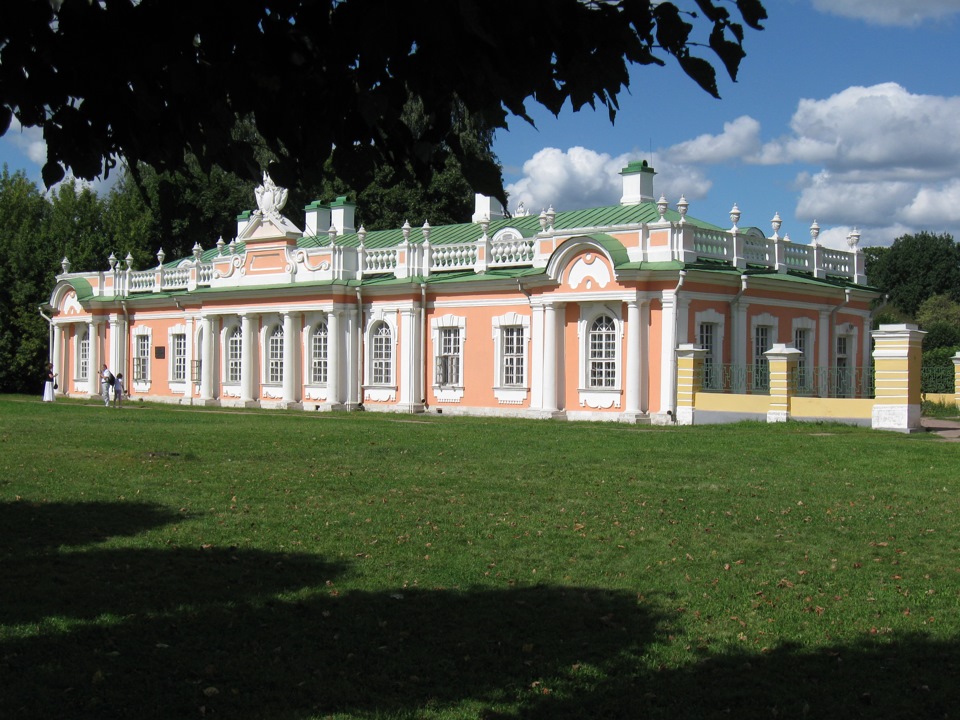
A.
pixel 689 380
pixel 897 361
pixel 782 361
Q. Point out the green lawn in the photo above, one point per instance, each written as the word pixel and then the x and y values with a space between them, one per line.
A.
pixel 164 562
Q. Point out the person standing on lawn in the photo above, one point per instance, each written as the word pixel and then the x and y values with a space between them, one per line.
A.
pixel 106 382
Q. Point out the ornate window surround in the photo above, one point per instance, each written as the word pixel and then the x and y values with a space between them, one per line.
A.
pixel 510 394
pixel 599 398
pixel 452 392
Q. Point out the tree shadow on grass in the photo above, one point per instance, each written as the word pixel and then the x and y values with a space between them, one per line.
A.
pixel 29 528
pixel 250 634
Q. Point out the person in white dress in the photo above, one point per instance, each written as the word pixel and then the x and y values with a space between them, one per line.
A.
pixel 49 384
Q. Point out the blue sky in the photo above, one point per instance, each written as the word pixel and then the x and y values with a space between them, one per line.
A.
pixel 846 112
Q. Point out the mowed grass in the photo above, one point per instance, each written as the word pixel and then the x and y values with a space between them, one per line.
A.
pixel 165 562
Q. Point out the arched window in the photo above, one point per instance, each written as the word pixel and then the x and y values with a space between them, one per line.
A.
pixel 381 369
pixel 234 354
pixel 319 339
pixel 602 353
pixel 275 356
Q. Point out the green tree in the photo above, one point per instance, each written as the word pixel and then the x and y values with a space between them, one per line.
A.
pixel 25 283
pixel 328 79
pixel 916 267
pixel 73 227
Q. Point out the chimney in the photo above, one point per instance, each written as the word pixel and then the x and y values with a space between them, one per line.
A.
pixel 487 207
pixel 342 215
pixel 637 183
pixel 317 219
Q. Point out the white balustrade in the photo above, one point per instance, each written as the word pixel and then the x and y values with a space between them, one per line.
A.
pixel 379 260
pixel 450 257
pixel 512 251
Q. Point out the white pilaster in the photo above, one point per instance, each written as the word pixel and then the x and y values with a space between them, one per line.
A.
pixel 550 358
pixel 290 365
pixel 247 367
pixel 634 345
pixel 93 367
pixel 333 358
pixel 208 359
pixel 668 355
pixel 408 371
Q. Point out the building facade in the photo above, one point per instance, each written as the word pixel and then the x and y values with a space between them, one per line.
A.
pixel 574 315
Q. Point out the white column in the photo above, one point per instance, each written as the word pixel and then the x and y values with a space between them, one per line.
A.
pixel 409 366
pixel 633 358
pixel 536 357
pixel 668 353
pixel 59 366
pixel 333 358
pixel 739 344
pixel 207 360
pixel 824 350
pixel 354 357
pixel 190 323
pixel 93 366
pixel 248 359
pixel 290 374
pixel 550 358
pixel 116 343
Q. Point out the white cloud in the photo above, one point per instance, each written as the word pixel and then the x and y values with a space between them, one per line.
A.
pixel 581 178
pixel 740 138
pixel 29 141
pixel 906 13
pixel 883 127
pixel 568 180
pixel 935 205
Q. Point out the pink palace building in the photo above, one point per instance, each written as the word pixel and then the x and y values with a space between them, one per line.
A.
pixel 570 315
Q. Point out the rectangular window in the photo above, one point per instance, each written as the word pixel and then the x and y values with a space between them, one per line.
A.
pixel 318 355
pixel 234 355
pixel 844 383
pixel 179 343
pixel 513 356
pixel 141 358
pixel 801 342
pixel 761 366
pixel 448 361
pixel 275 357
pixel 83 359
pixel 707 340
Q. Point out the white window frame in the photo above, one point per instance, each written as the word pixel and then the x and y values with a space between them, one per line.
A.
pixel 272 344
pixel 448 358
pixel 847 333
pixel 178 360
pixel 513 394
pixel 319 367
pixel 806 361
pixel 232 361
pixel 712 363
pixel 142 349
pixel 760 364
pixel 381 371
pixel 606 395
pixel 82 370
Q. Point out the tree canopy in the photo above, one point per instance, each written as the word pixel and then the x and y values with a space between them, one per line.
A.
pixel 153 80
pixel 915 268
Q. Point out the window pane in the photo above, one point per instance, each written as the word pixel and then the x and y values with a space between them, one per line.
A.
pixel 318 354
pixel 275 356
pixel 602 353
pixel 513 355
